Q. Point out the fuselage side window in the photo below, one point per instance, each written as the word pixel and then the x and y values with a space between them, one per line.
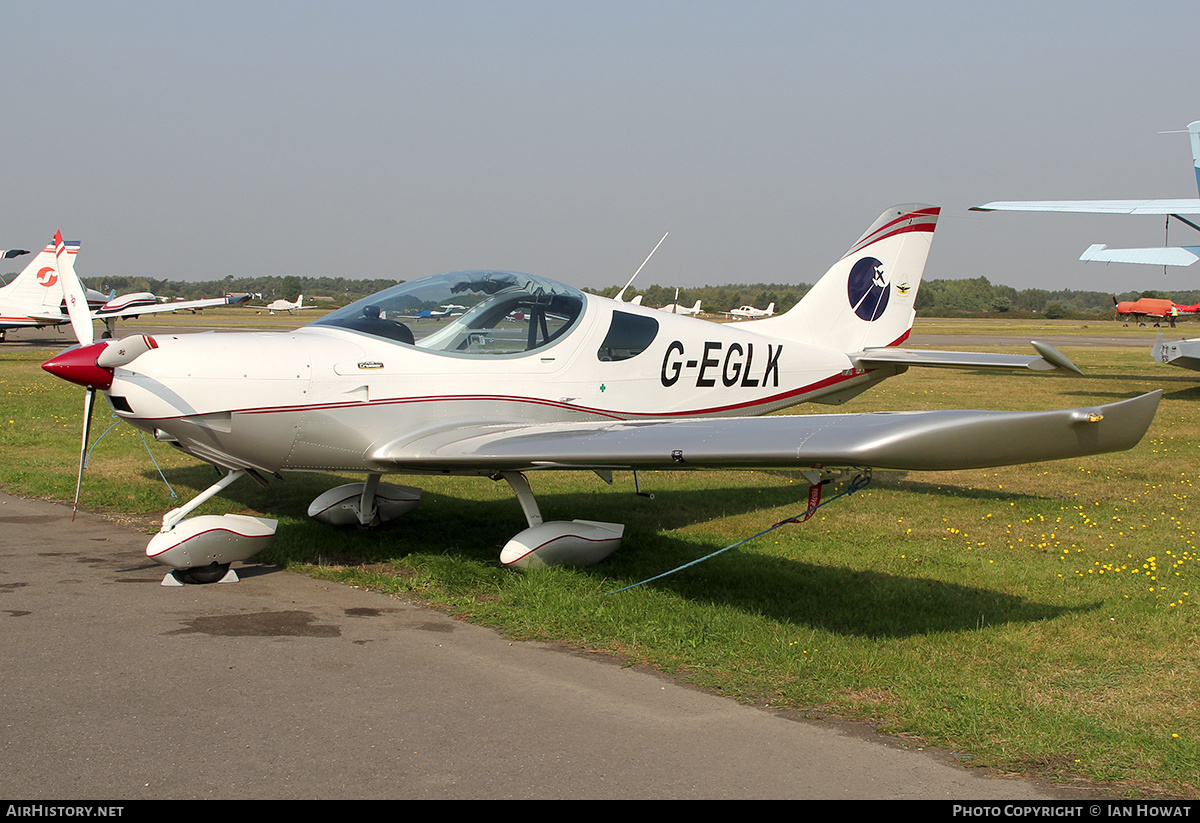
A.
pixel 628 336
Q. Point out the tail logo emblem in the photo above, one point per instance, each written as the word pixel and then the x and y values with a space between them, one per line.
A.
pixel 867 288
pixel 47 277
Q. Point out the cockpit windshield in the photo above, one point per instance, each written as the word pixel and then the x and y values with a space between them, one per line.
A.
pixel 473 313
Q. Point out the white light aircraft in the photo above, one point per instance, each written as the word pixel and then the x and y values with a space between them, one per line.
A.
pixel 581 383
pixel 675 308
pixel 35 298
pixel 1098 252
pixel 750 312
pixel 284 305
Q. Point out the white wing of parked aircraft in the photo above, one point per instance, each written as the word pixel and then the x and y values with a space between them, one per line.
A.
pixel 1159 256
pixel 537 375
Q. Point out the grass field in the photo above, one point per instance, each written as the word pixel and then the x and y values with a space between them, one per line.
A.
pixel 1037 619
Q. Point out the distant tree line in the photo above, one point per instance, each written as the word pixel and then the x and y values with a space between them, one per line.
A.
pixel 978 297
pixel 974 297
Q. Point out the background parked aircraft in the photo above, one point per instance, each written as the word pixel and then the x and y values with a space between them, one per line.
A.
pixel 284 305
pixel 1183 353
pixel 1162 256
pixel 1153 308
pixel 743 312
pixel 675 308
pixel 35 299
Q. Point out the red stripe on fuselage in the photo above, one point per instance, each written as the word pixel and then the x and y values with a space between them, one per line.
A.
pixel 615 415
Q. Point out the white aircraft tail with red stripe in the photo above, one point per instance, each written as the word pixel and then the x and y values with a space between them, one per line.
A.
pixel 36 290
pixel 866 299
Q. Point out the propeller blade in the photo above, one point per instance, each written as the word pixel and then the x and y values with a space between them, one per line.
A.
pixel 77 305
pixel 89 402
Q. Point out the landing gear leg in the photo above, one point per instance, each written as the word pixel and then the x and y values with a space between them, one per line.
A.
pixel 172 518
pixel 529 506
pixel 368 515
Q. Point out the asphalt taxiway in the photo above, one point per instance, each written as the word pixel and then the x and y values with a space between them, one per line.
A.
pixel 282 686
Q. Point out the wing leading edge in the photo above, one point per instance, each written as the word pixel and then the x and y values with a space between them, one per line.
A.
pixel 914 441
pixel 1095 206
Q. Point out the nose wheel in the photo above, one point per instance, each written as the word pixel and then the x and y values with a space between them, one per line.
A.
pixel 201 549
pixel 212 573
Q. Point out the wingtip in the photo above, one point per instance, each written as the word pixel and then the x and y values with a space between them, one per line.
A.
pixel 1054 356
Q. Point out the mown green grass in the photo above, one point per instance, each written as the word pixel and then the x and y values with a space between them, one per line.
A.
pixel 1038 619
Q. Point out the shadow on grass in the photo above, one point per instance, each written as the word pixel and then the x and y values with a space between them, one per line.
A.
pixel 466 535
pixel 850 601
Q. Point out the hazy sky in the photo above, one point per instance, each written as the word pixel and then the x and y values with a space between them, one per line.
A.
pixel 192 140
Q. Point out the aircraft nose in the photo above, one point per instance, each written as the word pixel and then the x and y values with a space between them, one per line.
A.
pixel 78 365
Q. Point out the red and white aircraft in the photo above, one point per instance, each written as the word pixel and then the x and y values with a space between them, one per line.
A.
pixel 580 383
pixel 1155 308
pixel 35 297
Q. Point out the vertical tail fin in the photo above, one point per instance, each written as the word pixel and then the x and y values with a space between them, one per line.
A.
pixel 866 298
pixel 36 290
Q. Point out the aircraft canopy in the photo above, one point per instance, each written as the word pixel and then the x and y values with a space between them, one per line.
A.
pixel 471 313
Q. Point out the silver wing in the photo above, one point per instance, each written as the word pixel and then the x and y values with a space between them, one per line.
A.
pixel 915 441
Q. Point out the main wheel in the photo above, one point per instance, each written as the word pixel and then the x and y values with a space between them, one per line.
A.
pixel 205 574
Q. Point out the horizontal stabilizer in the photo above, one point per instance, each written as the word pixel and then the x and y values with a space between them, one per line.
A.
pixel 1095 206
pixel 913 441
pixel 1172 256
pixel 1051 359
